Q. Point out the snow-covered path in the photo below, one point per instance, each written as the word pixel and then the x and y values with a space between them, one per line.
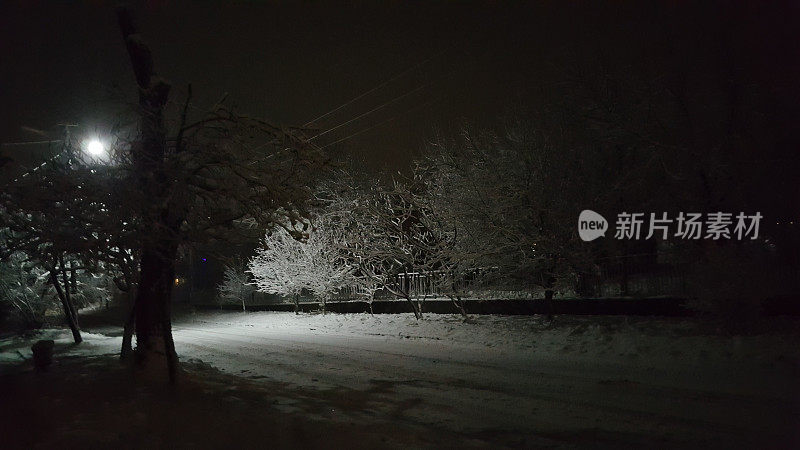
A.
pixel 501 380
pixel 491 381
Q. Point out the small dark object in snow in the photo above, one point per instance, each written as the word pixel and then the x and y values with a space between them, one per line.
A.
pixel 43 354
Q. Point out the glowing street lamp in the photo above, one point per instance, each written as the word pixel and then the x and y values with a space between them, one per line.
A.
pixel 95 148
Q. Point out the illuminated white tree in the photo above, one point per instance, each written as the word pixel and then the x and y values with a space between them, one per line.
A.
pixel 380 234
pixel 236 286
pixel 287 266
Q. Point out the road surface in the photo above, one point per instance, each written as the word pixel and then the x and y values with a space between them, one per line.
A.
pixel 495 395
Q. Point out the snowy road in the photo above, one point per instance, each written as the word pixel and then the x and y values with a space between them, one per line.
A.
pixel 491 384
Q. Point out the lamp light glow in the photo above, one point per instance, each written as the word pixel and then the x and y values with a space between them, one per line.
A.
pixel 95 147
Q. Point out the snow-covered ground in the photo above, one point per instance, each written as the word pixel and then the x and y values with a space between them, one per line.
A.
pixel 631 380
pixel 514 380
pixel 15 349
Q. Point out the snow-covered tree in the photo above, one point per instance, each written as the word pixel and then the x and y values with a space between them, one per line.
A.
pixel 447 256
pixel 278 266
pixel 380 234
pixel 193 177
pixel 509 201
pixel 24 291
pixel 31 292
pixel 236 286
pixel 287 266
pixel 184 175
pixel 69 218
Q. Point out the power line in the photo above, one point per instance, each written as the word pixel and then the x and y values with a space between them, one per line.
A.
pixel 383 121
pixel 383 105
pixel 436 99
pixel 358 97
pixel 36 168
pixel 48 160
pixel 17 144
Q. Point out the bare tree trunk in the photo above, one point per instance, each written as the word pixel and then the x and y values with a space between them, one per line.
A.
pixel 68 291
pixel 417 312
pixel 73 283
pixel 456 299
pixel 69 311
pixel 157 270
pixel 127 331
pixel 154 344
pixel 548 296
pixel 296 305
pixel 406 294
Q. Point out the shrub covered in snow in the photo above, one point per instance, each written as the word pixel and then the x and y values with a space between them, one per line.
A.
pixel 27 292
pixel 24 292
pixel 236 286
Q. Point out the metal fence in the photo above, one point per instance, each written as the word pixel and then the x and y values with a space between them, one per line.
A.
pixel 636 276
pixel 618 277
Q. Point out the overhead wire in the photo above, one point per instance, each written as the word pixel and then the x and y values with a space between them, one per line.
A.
pixel 48 160
pixel 385 104
pixel 383 122
pixel 379 86
pixel 468 66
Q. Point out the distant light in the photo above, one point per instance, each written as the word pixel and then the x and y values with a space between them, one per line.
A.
pixel 204 260
pixel 95 147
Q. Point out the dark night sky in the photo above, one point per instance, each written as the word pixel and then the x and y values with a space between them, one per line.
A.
pixel 291 63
